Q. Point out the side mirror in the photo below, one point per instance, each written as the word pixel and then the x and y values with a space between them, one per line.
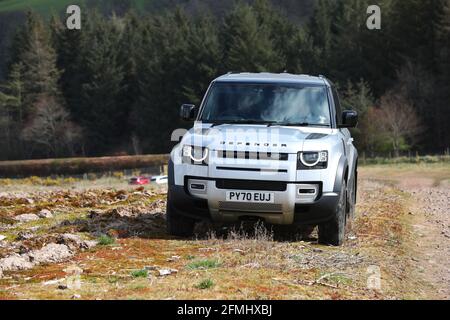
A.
pixel 349 119
pixel 188 112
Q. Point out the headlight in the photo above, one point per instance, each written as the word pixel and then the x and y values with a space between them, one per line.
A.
pixel 313 160
pixel 195 155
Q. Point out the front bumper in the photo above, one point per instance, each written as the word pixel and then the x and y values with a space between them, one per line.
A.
pixel 288 208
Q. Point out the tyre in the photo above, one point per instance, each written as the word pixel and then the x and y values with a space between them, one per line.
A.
pixel 178 225
pixel 351 204
pixel 333 232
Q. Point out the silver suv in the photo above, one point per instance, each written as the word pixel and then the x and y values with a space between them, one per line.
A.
pixel 271 147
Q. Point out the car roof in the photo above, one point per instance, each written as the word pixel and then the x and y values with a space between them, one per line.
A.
pixel 265 77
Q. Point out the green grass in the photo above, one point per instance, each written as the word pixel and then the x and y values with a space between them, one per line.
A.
pixel 106 240
pixel 139 273
pixel 203 264
pixel 205 284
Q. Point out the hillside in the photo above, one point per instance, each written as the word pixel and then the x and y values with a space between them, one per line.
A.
pixel 297 10
pixel 12 12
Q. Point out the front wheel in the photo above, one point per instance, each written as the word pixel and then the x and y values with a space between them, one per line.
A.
pixel 178 225
pixel 333 232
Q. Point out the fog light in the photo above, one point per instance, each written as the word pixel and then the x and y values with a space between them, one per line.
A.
pixel 197 186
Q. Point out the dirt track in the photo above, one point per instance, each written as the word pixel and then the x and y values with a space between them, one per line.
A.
pixel 398 247
pixel 432 225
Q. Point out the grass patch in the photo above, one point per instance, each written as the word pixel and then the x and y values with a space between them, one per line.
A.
pixel 203 264
pixel 106 240
pixel 139 273
pixel 205 284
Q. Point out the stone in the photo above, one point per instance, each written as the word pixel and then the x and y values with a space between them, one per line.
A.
pixel 166 272
pixel 23 235
pixel 45 214
pixel 51 253
pixel 15 262
pixel 27 217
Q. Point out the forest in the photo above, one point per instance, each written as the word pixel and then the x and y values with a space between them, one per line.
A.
pixel 115 86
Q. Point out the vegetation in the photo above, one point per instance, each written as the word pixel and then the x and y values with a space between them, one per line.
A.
pixel 205 284
pixel 106 240
pixel 389 233
pixel 203 264
pixel 139 273
pixel 115 86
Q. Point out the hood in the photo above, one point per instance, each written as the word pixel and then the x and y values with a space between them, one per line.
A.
pixel 256 137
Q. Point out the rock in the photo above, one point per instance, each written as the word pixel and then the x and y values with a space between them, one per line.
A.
pixel 26 217
pixel 2 237
pixel 15 262
pixel 45 214
pixel 51 253
pixel 166 272
pixel 52 282
pixel 76 296
pixel 74 242
pixel 25 236
pixel 173 258
pixel 88 244
pixel 62 287
pixel 71 240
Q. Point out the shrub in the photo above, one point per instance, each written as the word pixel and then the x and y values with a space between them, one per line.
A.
pixel 106 240
pixel 205 284
pixel 139 273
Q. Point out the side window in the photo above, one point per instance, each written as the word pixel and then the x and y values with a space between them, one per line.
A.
pixel 337 104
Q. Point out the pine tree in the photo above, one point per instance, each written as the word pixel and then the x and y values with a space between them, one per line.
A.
pixel 248 46
pixel 72 48
pixel 320 29
pixel 39 60
pixel 202 58
pixel 163 74
pixel 99 111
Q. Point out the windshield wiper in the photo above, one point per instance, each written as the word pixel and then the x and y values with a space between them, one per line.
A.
pixel 222 122
pixel 301 124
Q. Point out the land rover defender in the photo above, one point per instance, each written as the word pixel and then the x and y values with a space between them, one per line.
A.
pixel 272 147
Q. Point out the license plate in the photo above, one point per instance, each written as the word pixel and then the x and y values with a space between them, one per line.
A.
pixel 255 197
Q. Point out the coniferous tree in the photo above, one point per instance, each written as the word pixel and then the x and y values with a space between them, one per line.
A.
pixel 248 46
pixel 99 111
pixel 320 29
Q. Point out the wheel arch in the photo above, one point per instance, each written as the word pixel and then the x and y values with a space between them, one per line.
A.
pixel 341 174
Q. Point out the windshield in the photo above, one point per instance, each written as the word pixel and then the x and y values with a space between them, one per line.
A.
pixel 284 104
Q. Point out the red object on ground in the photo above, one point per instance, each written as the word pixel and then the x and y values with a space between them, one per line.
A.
pixel 139 180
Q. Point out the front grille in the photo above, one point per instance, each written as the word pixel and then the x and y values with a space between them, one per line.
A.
pixel 250 207
pixel 232 184
pixel 252 155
